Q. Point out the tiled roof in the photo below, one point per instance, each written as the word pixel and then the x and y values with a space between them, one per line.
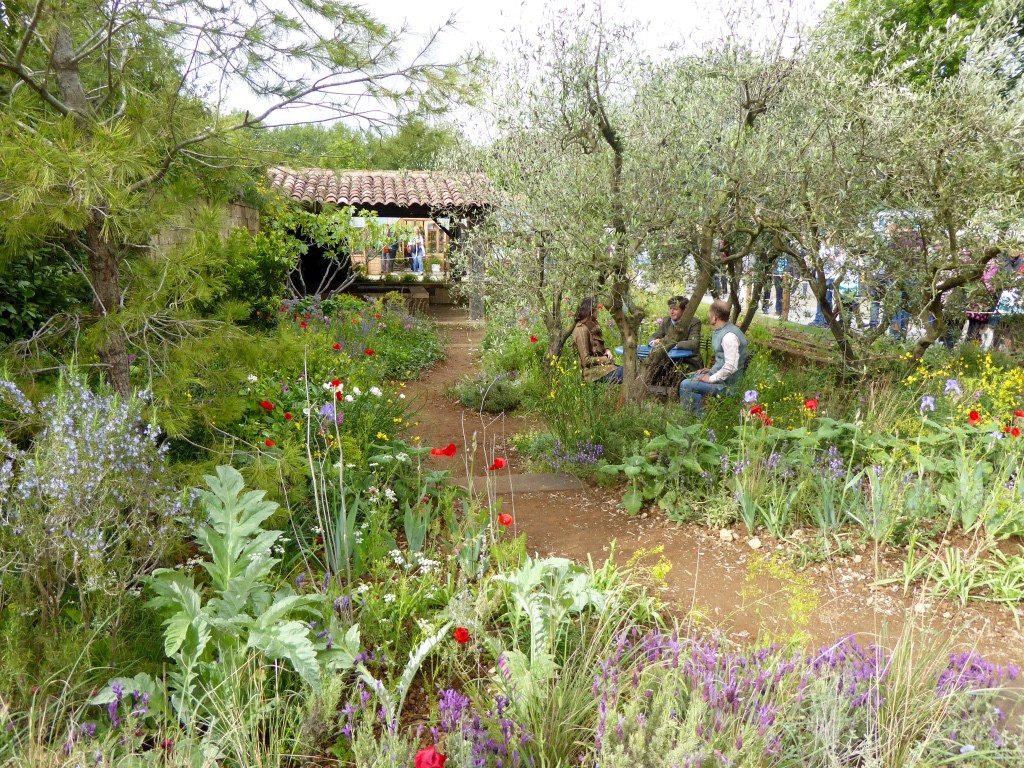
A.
pixel 372 188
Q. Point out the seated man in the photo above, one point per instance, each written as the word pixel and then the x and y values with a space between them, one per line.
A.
pixel 672 335
pixel 730 347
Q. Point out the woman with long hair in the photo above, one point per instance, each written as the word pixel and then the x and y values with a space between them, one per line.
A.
pixel 596 361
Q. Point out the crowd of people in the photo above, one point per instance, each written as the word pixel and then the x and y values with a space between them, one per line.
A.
pixel 866 296
pixel 412 249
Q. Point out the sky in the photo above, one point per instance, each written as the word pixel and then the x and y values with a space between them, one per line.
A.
pixel 493 26
pixel 489 23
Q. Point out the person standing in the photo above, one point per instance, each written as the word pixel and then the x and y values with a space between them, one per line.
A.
pixel 832 261
pixel 418 253
pixel 730 348
pixel 672 334
pixel 389 253
pixel 597 362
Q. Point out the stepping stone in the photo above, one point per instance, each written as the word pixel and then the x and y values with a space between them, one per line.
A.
pixel 533 483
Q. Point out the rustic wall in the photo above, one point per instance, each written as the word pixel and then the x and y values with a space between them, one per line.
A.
pixel 237 216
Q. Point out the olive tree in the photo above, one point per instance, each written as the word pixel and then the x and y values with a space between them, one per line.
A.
pixel 941 158
pixel 570 176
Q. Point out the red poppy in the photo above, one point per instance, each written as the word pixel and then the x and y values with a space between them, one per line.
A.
pixel 266 405
pixel 376 317
pixel 335 383
pixel 499 463
pixel 974 418
pixel 288 417
pixel 1019 414
pixel 766 421
pixel 600 306
pixel 461 635
pixel 757 410
pixel 338 395
pixel 1006 430
pixel 533 339
pixel 505 519
pixel 306 316
pixel 1015 431
pixel 430 758
pixel 369 352
pixel 336 346
pixel 303 324
pixel 270 443
pixel 811 405
pixel 449 450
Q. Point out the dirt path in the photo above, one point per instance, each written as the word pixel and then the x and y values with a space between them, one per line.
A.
pixel 710 578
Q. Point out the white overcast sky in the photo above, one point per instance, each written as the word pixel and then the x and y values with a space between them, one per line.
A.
pixel 491 25
pixel 489 22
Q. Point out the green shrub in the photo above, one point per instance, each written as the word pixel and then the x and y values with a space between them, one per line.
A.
pixel 498 394
pixel 35 285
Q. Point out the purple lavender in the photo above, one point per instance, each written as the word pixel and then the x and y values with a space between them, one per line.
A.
pixel 585 454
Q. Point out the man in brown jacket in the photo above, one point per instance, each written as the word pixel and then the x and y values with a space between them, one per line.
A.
pixel 672 335
pixel 596 361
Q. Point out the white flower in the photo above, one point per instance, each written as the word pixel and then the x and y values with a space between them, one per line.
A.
pixel 373 490
pixel 356 392
pixel 375 391
pixel 305 411
pixel 252 378
pixel 389 598
pixel 402 456
pixel 390 494
pixel 349 398
pixel 401 395
pixel 362 589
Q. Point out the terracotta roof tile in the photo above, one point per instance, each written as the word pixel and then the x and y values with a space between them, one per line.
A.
pixel 370 188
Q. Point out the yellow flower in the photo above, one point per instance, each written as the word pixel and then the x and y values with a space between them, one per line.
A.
pixel 646 433
pixel 397 420
pixel 416 438
pixel 381 436
pixel 188 395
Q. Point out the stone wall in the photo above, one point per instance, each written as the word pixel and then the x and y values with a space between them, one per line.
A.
pixel 237 216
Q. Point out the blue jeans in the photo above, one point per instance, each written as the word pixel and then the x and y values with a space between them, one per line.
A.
pixel 612 377
pixel 417 259
pixel 693 392
pixel 819 317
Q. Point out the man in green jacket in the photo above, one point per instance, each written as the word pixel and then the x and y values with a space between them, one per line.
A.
pixel 671 334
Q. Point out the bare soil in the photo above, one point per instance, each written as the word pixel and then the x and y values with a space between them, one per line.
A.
pixel 711 579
